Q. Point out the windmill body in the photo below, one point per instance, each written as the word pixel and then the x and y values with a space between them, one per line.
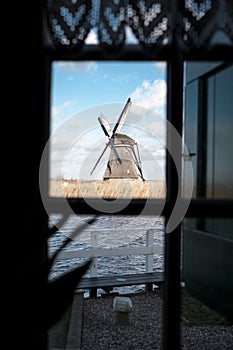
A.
pixel 124 161
pixel 127 169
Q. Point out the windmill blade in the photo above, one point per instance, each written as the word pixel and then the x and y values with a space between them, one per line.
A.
pixel 140 171
pixel 137 161
pixel 122 117
pixel 105 126
pixel 100 157
pixel 118 159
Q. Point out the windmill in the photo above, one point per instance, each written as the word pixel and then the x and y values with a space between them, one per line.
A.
pixel 124 160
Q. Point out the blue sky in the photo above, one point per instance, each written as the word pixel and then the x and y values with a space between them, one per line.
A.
pixel 82 91
pixel 80 85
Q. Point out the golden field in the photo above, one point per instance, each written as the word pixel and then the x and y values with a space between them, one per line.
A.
pixel 114 188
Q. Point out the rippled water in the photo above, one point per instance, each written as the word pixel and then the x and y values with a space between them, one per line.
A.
pixel 111 232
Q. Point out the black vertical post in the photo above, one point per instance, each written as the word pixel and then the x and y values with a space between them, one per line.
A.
pixel 28 224
pixel 171 325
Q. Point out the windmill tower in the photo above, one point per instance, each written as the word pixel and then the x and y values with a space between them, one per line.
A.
pixel 124 161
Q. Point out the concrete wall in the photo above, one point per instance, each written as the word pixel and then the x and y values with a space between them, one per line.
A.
pixel 207 269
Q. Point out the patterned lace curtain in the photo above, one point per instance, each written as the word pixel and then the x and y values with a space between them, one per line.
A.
pixel 155 25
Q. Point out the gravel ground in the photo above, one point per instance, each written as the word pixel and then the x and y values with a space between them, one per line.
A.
pixel 200 327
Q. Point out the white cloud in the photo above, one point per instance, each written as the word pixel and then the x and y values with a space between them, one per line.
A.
pixel 160 65
pixel 57 112
pixel 158 128
pixel 73 66
pixel 161 153
pixel 151 95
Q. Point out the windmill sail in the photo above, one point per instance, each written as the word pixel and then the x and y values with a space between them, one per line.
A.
pixel 121 120
pixel 105 126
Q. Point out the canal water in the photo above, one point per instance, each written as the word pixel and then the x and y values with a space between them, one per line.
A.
pixel 111 232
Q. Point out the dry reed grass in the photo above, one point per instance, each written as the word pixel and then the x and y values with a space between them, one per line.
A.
pixel 109 189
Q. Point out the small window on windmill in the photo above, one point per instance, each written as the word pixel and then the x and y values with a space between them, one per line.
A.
pixel 108 129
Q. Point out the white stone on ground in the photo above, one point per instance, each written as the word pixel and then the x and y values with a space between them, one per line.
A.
pixel 122 306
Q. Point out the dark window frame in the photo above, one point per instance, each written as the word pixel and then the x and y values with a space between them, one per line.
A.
pixel 199 207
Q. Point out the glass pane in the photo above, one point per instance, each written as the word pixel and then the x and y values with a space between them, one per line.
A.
pixel 208 123
pixel 108 130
